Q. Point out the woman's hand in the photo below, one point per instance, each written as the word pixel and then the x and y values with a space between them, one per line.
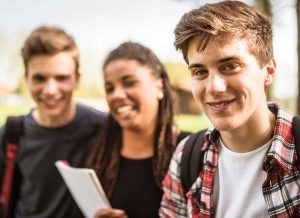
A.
pixel 110 213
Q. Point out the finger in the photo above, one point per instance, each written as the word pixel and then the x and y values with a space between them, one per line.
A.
pixel 110 213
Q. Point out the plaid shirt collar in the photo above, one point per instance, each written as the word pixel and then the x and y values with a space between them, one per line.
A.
pixel 282 149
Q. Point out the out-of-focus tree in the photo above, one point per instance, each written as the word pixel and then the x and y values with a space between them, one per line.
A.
pixel 298 48
pixel 266 8
pixel 11 65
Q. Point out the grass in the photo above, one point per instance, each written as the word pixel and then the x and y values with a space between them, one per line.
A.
pixel 185 122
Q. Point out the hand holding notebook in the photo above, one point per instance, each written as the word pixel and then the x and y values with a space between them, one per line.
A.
pixel 85 188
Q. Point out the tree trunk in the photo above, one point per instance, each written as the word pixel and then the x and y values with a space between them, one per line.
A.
pixel 298 49
pixel 265 7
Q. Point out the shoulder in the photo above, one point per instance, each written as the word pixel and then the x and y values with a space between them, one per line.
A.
pixel 182 135
pixel 89 113
pixel 176 158
pixel 189 140
pixel 13 129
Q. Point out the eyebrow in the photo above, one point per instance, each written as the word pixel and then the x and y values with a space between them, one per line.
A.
pixel 125 77
pixel 37 74
pixel 223 60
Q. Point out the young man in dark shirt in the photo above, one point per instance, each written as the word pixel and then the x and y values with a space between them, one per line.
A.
pixel 56 129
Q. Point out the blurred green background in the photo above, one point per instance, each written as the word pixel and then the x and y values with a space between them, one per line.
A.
pixel 185 122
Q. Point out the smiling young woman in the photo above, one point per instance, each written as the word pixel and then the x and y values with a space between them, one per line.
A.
pixel 133 154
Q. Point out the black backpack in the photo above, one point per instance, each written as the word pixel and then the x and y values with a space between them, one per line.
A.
pixel 11 176
pixel 192 156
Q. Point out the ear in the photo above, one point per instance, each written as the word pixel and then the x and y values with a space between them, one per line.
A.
pixel 270 69
pixel 159 85
pixel 77 78
pixel 26 75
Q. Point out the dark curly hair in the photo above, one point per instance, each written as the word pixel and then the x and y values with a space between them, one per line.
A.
pixel 106 155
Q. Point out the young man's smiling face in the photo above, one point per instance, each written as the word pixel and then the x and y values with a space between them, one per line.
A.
pixel 228 83
pixel 51 81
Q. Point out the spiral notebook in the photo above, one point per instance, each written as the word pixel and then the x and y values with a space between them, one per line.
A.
pixel 85 188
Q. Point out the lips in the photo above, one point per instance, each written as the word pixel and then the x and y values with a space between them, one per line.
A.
pixel 220 106
pixel 51 103
pixel 124 109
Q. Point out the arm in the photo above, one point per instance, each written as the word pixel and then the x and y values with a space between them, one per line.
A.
pixel 174 201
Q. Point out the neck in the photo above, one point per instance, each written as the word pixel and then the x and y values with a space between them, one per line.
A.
pixel 55 121
pixel 253 134
pixel 137 144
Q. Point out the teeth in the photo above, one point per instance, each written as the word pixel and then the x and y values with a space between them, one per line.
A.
pixel 219 105
pixel 50 103
pixel 124 109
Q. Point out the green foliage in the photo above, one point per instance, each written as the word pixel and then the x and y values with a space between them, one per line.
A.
pixel 185 122
pixel 192 123
pixel 6 111
pixel 264 6
pixel 177 72
pixel 90 89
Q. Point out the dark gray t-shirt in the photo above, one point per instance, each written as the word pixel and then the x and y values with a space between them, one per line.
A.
pixel 43 193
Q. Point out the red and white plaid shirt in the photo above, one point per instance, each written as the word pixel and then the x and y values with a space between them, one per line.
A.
pixel 281 189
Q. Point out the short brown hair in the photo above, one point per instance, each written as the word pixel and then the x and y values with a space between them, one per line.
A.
pixel 223 21
pixel 47 40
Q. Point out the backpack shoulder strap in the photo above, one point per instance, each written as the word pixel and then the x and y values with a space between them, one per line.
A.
pixel 296 131
pixel 12 133
pixel 14 127
pixel 191 159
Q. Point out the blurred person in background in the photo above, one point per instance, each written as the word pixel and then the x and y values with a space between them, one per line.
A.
pixel 56 128
pixel 134 150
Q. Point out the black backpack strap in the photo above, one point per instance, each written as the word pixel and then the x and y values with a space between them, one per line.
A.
pixel 13 130
pixel 296 131
pixel 192 159
pixel 14 127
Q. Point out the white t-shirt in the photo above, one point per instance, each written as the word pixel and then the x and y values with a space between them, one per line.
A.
pixel 237 191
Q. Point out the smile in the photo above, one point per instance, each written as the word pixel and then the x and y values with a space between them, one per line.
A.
pixel 51 104
pixel 221 105
pixel 123 110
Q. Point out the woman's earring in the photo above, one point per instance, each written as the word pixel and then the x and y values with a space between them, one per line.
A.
pixel 160 95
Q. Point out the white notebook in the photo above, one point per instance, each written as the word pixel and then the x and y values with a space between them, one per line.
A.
pixel 85 188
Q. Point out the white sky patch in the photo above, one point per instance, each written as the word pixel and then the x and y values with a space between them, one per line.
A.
pixel 100 25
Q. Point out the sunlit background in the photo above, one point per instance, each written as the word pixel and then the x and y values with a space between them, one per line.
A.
pixel 100 25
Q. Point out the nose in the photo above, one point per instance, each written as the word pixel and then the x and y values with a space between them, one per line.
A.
pixel 216 84
pixel 51 87
pixel 118 93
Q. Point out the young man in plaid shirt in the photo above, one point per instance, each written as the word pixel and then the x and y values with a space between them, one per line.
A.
pixel 250 167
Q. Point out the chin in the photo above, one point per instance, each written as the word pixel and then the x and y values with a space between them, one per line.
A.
pixel 224 125
pixel 126 125
pixel 53 112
